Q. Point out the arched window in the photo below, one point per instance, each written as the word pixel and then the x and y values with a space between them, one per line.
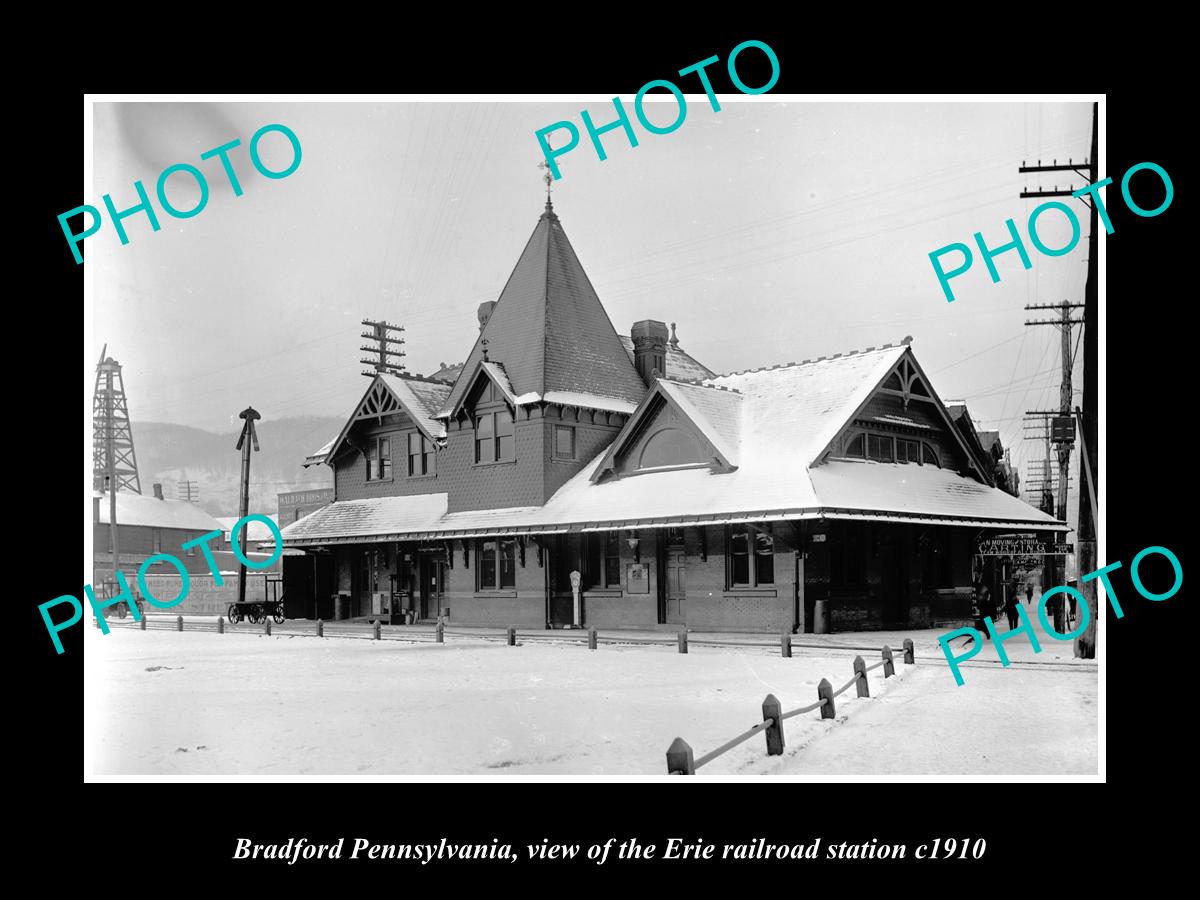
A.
pixel 857 446
pixel 669 447
pixel 929 456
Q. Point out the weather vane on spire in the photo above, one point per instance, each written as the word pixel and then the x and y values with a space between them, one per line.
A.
pixel 548 178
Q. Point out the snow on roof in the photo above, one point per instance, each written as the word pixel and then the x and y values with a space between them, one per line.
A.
pixel 717 412
pixel 256 531
pixel 375 517
pixel 421 400
pixel 318 456
pixel 136 509
pixel 679 363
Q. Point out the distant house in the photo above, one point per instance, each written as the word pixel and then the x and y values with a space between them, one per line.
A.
pixel 150 525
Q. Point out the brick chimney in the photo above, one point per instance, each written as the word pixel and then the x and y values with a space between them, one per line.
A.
pixel 158 492
pixel 485 312
pixel 649 348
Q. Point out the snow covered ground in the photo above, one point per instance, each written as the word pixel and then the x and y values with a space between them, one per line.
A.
pixel 237 705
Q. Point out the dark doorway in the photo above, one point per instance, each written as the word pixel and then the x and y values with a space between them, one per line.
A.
pixel 564 557
pixel 674 578
pixel 894 557
pixel 432 576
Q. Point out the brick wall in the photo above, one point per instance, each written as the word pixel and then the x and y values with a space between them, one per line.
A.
pixel 524 605
pixel 713 607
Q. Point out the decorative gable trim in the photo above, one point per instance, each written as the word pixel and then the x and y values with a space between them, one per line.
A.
pixel 378 401
pixel 903 377
pixel 494 372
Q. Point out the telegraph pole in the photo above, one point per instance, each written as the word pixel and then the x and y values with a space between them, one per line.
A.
pixel 1085 644
pixel 112 468
pixel 381 334
pixel 249 414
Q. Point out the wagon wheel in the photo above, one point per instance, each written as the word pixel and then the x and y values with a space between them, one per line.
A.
pixel 233 613
pixel 278 614
pixel 122 610
pixel 141 608
pixel 256 614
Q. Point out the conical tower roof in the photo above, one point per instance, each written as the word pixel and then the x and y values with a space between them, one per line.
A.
pixel 549 330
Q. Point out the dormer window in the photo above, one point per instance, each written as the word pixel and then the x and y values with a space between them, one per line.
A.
pixel 886 448
pixel 494 440
pixel 420 454
pixel 379 459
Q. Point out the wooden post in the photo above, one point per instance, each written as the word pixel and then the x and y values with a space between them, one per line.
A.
pixel 320 628
pixel 679 758
pixel 179 622
pixel 220 624
pixel 908 651
pixel 512 636
pixel 773 713
pixel 825 692
pixel 267 627
pixel 440 637
pixel 860 683
pixel 592 638
pixel 785 644
pixel 683 642
pixel 143 622
pixel 889 666
pixel 377 629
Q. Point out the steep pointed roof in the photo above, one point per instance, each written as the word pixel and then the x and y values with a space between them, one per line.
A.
pixel 549 329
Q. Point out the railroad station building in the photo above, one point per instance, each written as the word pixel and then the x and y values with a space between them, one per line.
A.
pixel 831 494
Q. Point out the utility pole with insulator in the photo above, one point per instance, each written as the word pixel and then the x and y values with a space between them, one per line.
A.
pixel 249 414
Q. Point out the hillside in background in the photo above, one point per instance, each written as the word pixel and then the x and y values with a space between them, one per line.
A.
pixel 169 454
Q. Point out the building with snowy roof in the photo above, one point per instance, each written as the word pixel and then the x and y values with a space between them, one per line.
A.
pixel 827 494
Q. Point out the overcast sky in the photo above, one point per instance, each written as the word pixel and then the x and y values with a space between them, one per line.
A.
pixel 769 231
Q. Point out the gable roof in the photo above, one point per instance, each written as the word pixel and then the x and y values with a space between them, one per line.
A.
pixel 136 509
pixel 417 397
pixel 549 329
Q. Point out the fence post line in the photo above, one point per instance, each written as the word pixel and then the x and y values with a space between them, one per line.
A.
pixel 679 758
pixel 889 666
pixel 773 713
pixel 825 692
pixel 860 680
pixel 267 627
pixel 683 642
pixel 592 638
pixel 220 624
pixel 377 629
pixel 440 637
pixel 909 657
pixel 179 622
pixel 512 636
pixel 785 644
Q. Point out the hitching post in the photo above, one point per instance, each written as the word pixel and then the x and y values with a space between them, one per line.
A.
pixel 143 623
pixel 785 644
pixel 220 624
pixel 592 638
pixel 320 628
pixel 679 758
pixel 377 628
pixel 773 713
pixel 249 414
pixel 440 638
pixel 908 651
pixel 179 622
pixel 683 642
pixel 267 627
pixel 889 666
pixel 860 681
pixel 512 636
pixel 825 692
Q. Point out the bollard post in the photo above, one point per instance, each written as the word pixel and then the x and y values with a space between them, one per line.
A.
pixel 785 644
pixel 825 692
pixel 592 638
pixel 143 623
pixel 320 628
pixel 773 713
pixel 909 657
pixel 179 622
pixel 683 642
pixel 679 758
pixel 267 628
pixel 440 638
pixel 377 629
pixel 220 624
pixel 512 636
pixel 889 666
pixel 860 682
